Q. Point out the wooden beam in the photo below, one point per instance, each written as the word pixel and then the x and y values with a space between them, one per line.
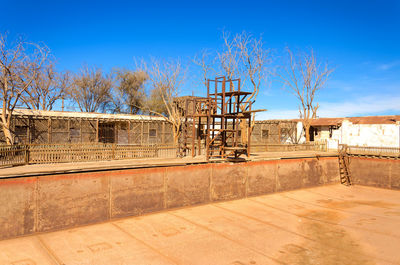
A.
pixel 97 130
pixel 80 129
pixel 115 132
pixel 129 131
pixel 28 131
pixel 69 129
pixel 49 130
pixel 279 132
pixel 141 132
pixel 163 133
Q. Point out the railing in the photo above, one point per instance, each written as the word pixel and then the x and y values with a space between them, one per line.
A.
pixel 372 151
pixel 61 153
pixel 254 148
pixel 11 155
pixel 313 146
pixel 166 151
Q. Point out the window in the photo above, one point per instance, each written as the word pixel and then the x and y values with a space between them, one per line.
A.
pixel 21 133
pixel 284 135
pixel 106 133
pixel 265 134
pixel 285 132
pixel 153 133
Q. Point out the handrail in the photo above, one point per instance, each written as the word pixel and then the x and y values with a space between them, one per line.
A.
pixel 12 155
pixel 372 150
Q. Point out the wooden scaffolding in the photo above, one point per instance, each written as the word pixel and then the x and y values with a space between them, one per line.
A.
pixel 223 119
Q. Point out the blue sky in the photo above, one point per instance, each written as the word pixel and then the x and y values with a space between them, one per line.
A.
pixel 361 39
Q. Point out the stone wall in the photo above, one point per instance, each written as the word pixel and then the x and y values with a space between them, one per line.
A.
pixel 48 203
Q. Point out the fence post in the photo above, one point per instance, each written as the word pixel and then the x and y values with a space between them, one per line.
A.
pixel 113 150
pixel 27 150
pixel 156 151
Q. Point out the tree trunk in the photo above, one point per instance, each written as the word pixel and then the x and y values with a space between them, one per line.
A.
pixel 8 135
pixel 176 140
pixel 6 122
pixel 307 129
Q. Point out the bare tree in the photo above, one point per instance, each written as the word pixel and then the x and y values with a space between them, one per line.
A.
pixel 46 88
pixel 229 57
pixel 19 64
pixel 206 64
pixel 90 89
pixel 254 61
pixel 304 77
pixel 155 104
pixel 242 56
pixel 166 78
pixel 130 94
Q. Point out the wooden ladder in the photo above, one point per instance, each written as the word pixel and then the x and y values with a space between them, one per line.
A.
pixel 344 166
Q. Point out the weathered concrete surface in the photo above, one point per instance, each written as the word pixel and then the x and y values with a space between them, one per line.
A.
pixel 72 200
pixel 395 175
pixel 53 202
pixel 135 192
pixel 17 207
pixel 384 173
pixel 228 181
pixel 290 174
pixel 330 170
pixel 187 185
pixel 261 177
pixel 333 224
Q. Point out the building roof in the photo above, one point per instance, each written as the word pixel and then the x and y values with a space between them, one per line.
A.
pixel 326 121
pixel 82 115
pixel 389 119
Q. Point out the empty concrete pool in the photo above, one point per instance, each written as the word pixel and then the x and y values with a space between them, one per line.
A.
pixel 332 224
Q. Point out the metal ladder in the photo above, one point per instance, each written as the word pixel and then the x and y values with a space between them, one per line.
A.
pixel 344 166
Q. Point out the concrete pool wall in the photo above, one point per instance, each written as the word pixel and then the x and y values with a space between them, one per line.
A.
pixel 376 172
pixel 51 202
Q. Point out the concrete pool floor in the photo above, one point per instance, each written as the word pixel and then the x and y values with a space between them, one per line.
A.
pixel 332 224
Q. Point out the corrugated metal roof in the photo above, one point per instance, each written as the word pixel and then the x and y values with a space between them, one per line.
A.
pixel 85 115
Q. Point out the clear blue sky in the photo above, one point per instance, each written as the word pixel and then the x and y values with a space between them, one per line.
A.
pixel 361 39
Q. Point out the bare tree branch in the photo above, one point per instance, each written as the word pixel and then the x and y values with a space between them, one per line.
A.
pixel 90 89
pixel 46 88
pixel 20 63
pixel 130 95
pixel 166 79
pixel 303 77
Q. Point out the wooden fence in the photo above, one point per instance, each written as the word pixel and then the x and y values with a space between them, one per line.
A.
pixel 59 153
pixel 13 155
pixel 313 146
pixel 63 153
pixel 372 151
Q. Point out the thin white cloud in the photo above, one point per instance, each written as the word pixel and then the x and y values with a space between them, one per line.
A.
pixel 388 66
pixel 278 114
pixel 371 105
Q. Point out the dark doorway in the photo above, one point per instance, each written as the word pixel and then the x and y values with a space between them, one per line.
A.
pixel 107 132
pixel 312 132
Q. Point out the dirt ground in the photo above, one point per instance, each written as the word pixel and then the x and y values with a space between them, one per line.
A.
pixel 332 224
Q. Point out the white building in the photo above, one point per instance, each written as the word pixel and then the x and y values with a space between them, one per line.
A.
pixel 379 131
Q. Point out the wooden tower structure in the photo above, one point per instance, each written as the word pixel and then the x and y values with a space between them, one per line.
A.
pixel 223 118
